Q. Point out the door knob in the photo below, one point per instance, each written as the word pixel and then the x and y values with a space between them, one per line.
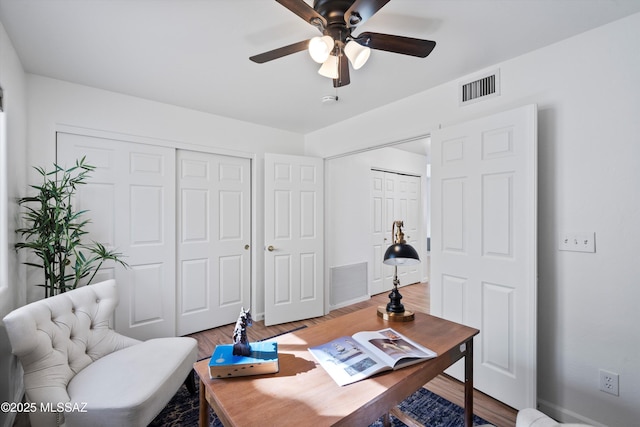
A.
pixel 270 248
pixel 246 247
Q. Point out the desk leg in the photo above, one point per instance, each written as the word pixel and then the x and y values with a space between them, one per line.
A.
pixel 468 384
pixel 386 420
pixel 204 407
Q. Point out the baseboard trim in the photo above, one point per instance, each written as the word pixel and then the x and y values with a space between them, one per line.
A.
pixel 350 302
pixel 565 415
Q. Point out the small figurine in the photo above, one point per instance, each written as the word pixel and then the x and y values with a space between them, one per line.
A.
pixel 241 345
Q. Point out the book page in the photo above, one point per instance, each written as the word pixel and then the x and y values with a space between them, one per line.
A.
pixel 393 348
pixel 347 361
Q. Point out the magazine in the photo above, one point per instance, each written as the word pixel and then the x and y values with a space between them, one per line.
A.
pixel 354 358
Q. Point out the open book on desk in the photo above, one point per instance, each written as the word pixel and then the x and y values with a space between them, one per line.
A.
pixel 354 358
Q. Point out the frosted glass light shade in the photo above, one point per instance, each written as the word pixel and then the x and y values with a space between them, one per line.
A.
pixel 357 54
pixel 320 48
pixel 329 67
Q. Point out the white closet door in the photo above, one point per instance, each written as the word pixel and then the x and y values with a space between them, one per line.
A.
pixel 131 202
pixel 379 237
pixel 390 215
pixel 408 210
pixel 213 240
pixel 394 197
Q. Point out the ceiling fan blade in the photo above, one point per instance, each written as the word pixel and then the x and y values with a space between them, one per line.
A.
pixel 343 72
pixel 361 10
pixel 397 44
pixel 304 11
pixel 280 52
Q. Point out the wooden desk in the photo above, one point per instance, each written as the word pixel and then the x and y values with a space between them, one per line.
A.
pixel 303 393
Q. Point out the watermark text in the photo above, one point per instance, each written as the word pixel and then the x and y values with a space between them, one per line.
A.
pixel 27 407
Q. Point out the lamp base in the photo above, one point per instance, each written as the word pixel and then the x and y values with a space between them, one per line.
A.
pixel 405 316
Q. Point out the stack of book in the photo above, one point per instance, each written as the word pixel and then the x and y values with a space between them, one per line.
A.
pixel 263 360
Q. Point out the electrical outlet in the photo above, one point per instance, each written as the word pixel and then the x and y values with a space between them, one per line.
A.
pixel 609 382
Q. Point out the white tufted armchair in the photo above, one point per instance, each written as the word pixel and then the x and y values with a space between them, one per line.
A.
pixel 73 360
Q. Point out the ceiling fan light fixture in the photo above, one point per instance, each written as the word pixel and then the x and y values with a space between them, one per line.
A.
pixel 357 54
pixel 336 21
pixel 320 48
pixel 329 67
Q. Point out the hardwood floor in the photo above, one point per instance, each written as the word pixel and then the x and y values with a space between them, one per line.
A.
pixel 415 298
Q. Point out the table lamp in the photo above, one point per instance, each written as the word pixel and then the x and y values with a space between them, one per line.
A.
pixel 399 253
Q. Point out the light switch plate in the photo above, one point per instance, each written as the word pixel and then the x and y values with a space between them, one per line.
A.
pixel 578 241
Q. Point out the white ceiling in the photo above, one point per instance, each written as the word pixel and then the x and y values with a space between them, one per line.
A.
pixel 194 53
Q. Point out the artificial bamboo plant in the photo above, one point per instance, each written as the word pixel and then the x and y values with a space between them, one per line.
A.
pixel 53 231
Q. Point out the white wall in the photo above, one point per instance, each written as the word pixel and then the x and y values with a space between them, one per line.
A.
pixel 588 95
pixel 55 105
pixel 12 184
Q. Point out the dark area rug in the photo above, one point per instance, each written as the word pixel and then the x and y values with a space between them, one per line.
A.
pixel 432 411
pixel 423 405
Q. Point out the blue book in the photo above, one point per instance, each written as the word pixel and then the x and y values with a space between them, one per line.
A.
pixel 263 360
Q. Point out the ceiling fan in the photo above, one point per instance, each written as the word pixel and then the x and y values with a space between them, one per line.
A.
pixel 336 20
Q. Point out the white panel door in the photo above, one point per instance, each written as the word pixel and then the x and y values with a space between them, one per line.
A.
pixel 379 237
pixel 484 246
pixel 214 232
pixel 391 211
pixel 131 201
pixel 393 197
pixel 294 238
pixel 409 211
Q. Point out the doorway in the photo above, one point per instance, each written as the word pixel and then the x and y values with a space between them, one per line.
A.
pixel 349 215
pixel 484 230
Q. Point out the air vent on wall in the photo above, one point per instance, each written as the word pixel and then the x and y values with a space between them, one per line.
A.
pixel 487 86
pixel 348 284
